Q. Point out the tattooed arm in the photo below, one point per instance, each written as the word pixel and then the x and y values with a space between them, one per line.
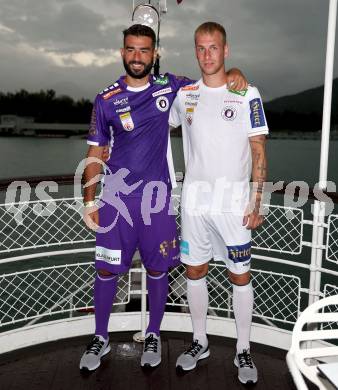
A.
pixel 253 219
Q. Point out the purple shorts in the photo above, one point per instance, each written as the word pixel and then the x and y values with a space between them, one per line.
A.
pixel 156 237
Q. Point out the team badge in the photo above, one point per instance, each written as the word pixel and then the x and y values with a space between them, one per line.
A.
pixel 189 112
pixel 127 121
pixel 162 103
pixel 229 113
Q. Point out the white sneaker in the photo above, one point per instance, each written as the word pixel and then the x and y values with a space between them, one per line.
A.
pixel 97 348
pixel 151 356
pixel 188 359
pixel 247 371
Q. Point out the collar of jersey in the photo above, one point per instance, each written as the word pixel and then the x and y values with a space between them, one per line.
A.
pixel 133 89
pixel 212 89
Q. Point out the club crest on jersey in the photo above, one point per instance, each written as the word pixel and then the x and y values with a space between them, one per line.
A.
pixel 189 112
pixel 127 121
pixel 229 113
pixel 162 103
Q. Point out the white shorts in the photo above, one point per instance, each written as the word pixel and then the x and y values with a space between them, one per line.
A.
pixel 221 237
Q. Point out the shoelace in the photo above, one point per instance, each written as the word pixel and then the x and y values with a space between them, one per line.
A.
pixel 244 359
pixel 150 344
pixel 95 346
pixel 193 349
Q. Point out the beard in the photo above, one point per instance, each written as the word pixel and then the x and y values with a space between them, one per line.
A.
pixel 140 74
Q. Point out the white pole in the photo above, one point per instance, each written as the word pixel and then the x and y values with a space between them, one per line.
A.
pixel 319 207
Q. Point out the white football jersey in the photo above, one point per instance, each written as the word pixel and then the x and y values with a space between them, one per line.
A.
pixel 216 126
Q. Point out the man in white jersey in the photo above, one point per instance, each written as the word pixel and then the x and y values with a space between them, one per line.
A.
pixel 224 144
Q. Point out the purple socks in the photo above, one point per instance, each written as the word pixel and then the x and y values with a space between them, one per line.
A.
pixel 105 288
pixel 157 298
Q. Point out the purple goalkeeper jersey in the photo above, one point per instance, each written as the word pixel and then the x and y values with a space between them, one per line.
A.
pixel 134 123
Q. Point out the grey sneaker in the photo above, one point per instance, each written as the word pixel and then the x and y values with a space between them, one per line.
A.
pixel 151 356
pixel 189 358
pixel 97 348
pixel 247 371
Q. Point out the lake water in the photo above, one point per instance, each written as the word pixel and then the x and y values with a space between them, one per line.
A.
pixel 24 156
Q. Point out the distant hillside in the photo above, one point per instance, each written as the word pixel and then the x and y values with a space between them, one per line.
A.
pixel 304 102
pixel 45 106
pixel 301 111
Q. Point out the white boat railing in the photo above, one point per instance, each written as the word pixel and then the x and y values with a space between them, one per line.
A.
pixel 40 280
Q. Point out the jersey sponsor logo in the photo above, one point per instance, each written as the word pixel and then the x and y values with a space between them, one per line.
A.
pixel 166 246
pixel 232 102
pixel 229 113
pixel 162 92
pixel 189 112
pixel 162 103
pixel 241 93
pixel 110 256
pixel 161 80
pixel 184 247
pixel 190 104
pixel 192 96
pixel 256 113
pixel 190 88
pixel 127 121
pixel 125 109
pixel 121 102
pixel 112 93
pixel 239 253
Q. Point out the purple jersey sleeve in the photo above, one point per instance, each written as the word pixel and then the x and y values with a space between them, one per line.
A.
pixel 99 134
pixel 177 82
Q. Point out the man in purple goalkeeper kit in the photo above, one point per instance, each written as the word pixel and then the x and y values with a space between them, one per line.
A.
pixel 131 116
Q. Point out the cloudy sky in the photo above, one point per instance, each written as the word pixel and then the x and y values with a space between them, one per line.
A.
pixel 73 46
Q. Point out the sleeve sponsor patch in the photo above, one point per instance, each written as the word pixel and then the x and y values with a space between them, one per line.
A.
pixel 256 113
pixel 241 93
pixel 92 128
pixel 161 80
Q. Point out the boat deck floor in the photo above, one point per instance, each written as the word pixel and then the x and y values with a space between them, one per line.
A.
pixel 55 366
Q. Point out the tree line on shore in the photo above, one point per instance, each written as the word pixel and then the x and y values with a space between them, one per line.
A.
pixel 47 107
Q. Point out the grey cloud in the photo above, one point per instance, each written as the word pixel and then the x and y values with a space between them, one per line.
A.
pixel 73 27
pixel 279 44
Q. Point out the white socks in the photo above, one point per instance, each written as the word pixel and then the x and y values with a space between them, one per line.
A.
pixel 197 292
pixel 242 301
